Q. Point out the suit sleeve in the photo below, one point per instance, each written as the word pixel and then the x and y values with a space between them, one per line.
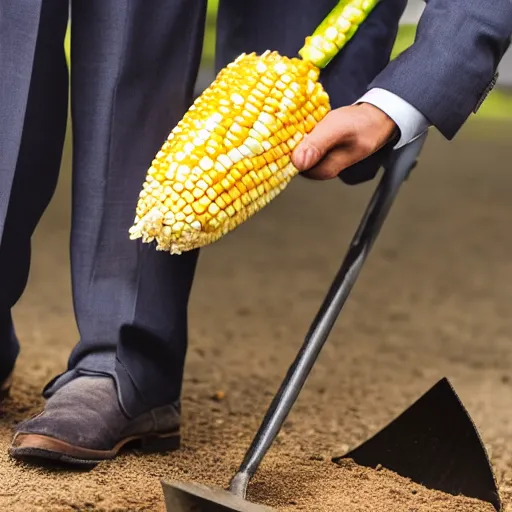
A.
pixel 452 63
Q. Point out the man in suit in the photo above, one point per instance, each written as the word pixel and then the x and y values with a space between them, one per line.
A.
pixel 132 76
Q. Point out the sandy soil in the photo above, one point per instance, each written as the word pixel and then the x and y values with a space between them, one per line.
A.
pixel 434 300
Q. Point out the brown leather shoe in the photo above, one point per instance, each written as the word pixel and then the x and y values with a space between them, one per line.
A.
pixel 83 424
pixel 5 387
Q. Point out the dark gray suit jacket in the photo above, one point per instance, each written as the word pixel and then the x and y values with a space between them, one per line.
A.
pixel 452 64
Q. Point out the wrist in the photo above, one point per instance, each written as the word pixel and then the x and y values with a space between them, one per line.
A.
pixel 388 131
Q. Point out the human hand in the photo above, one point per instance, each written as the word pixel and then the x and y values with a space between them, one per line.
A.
pixel 342 138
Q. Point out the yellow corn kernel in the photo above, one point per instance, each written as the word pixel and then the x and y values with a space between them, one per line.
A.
pixel 230 154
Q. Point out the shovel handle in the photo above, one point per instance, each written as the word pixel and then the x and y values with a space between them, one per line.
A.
pixel 397 170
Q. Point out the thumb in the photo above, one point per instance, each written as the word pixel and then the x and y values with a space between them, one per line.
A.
pixel 327 134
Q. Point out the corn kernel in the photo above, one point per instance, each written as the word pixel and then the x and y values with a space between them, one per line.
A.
pixel 230 154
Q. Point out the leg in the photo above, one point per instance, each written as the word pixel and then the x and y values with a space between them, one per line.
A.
pixel 33 100
pixel 133 71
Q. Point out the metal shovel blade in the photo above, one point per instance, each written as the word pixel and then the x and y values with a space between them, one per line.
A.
pixel 434 443
pixel 191 497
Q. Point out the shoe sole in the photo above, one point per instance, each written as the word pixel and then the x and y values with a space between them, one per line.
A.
pixel 35 448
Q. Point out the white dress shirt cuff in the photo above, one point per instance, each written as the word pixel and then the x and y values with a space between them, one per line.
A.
pixel 410 121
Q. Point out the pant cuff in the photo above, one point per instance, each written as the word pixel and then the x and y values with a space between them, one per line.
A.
pixel 102 365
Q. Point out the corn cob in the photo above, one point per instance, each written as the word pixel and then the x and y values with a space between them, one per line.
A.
pixel 230 155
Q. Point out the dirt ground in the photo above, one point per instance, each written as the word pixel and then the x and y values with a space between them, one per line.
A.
pixel 434 300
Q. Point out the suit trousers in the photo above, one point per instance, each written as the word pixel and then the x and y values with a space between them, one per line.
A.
pixel 133 68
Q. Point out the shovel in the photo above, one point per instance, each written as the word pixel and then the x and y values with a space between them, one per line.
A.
pixel 192 497
pixel 434 443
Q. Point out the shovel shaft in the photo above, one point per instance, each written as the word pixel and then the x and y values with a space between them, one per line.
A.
pixel 396 171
